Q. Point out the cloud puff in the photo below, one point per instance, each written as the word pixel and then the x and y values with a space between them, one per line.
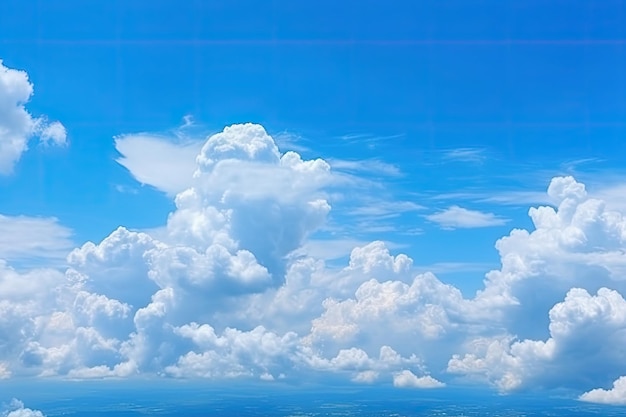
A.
pixel 586 336
pixel 17 125
pixel 407 379
pixel 613 396
pixel 456 217
pixel 16 409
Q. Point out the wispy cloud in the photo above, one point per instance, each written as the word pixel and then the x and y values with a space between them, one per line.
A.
pixel 506 198
pixel 30 240
pixel 573 165
pixel 455 267
pixel 289 141
pixel 386 208
pixel 369 140
pixel 158 160
pixel 456 217
pixel 471 155
pixel 374 166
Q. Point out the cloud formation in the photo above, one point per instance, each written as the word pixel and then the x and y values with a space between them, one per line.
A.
pixel 226 290
pixel 455 217
pixel 613 396
pixel 17 125
pixel 16 409
pixel 159 161
pixel 27 239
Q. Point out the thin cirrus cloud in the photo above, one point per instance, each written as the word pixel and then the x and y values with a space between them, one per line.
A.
pixel 29 240
pixel 372 166
pixel 470 155
pixel 17 125
pixel 455 217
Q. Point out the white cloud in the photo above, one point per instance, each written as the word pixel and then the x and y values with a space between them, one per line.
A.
pixel 407 379
pixel 586 336
pixel 329 249
pixel 159 161
pixel 27 239
pixel 613 396
pixel 16 409
pixel 372 166
pixel 366 377
pixel 378 209
pixel 5 373
pixel 456 217
pixel 473 155
pixel 17 125
pixel 232 286
pixel 53 134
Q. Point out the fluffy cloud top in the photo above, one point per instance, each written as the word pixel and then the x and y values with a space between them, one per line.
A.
pixel 16 409
pixel 407 379
pixel 613 396
pixel 17 125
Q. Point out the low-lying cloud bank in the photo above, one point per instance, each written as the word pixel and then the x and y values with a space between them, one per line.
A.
pixel 224 292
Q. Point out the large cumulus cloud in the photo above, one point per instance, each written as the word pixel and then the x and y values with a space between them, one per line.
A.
pixel 223 292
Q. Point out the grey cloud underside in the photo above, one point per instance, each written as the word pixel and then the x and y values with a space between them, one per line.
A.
pixel 225 292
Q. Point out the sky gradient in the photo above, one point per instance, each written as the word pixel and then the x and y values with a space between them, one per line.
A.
pixel 420 195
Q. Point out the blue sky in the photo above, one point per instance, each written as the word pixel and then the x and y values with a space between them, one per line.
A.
pixel 436 126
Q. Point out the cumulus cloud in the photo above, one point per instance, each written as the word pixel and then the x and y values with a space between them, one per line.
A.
pixel 16 409
pixel 407 379
pixel 17 125
pixel 455 217
pixel 613 396
pixel 228 288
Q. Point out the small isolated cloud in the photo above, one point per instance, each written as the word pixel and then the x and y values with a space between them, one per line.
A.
pixel 456 217
pixel 17 125
pixel 407 379
pixel 5 373
pixel 27 238
pixel 16 409
pixel 473 155
pixel 613 396
pixel 53 134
